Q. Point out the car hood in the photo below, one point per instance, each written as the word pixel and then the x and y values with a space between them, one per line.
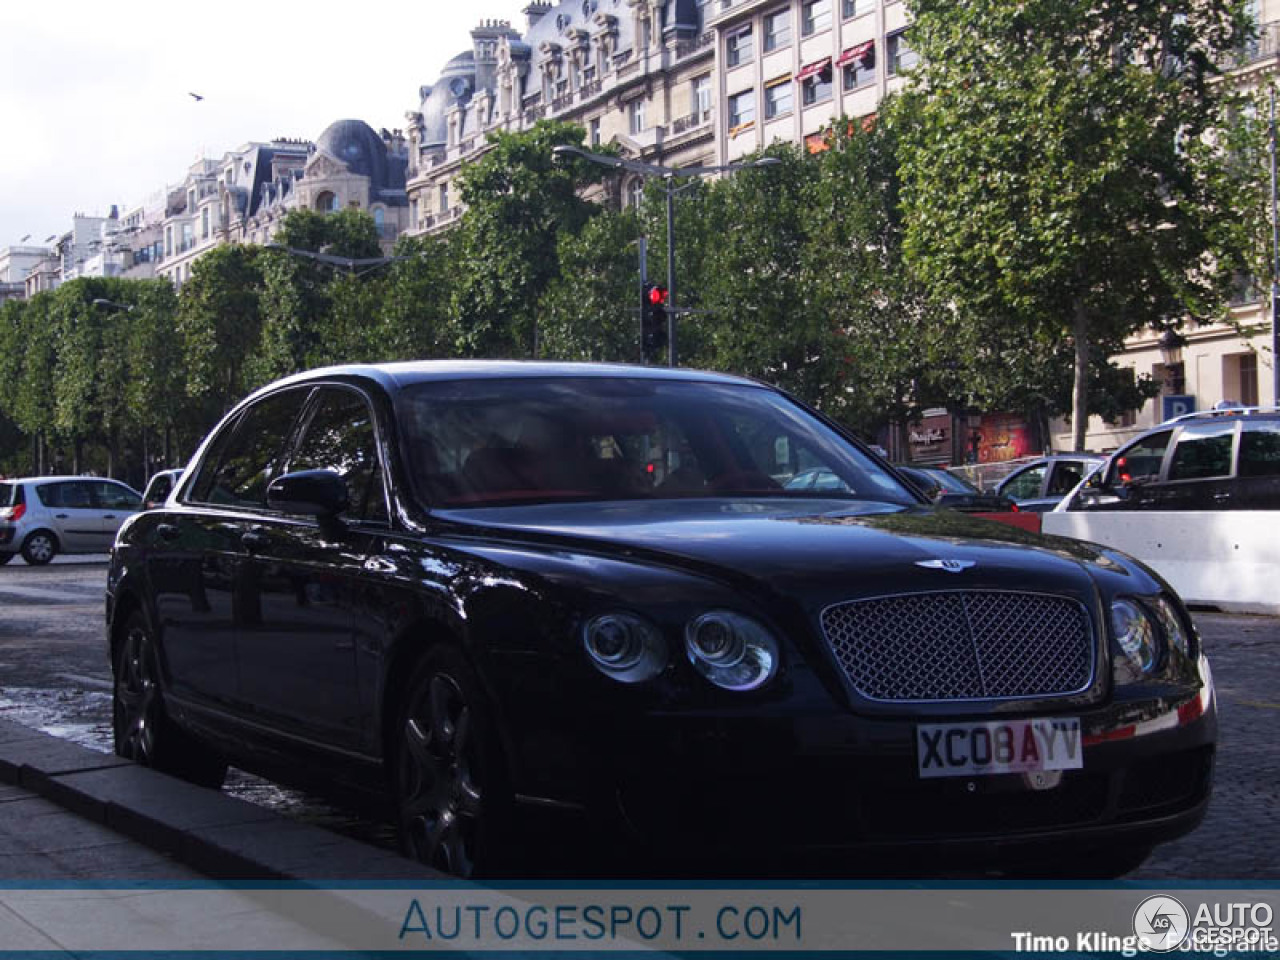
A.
pixel 820 548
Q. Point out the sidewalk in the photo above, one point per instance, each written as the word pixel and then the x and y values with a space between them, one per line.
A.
pixel 74 821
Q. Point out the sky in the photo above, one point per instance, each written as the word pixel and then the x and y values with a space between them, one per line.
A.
pixel 95 104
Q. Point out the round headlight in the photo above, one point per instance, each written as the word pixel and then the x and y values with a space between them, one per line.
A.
pixel 730 650
pixel 624 646
pixel 1135 635
pixel 1171 623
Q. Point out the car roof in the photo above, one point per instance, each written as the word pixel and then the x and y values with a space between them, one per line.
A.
pixel 60 477
pixel 394 376
pixel 1226 413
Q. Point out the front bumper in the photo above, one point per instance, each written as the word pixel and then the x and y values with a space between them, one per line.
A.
pixel 843 785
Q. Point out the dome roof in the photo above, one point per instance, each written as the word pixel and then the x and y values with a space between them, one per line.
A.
pixel 354 144
pixel 456 85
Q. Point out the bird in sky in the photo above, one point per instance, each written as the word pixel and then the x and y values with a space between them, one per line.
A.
pixel 25 239
pixel 197 97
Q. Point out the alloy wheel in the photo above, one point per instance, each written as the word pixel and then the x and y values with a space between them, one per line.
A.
pixel 39 549
pixel 137 698
pixel 440 799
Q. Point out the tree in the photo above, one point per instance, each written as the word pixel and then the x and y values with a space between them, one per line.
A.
pixel 520 200
pixel 415 319
pixel 591 311
pixel 220 319
pixel 1049 188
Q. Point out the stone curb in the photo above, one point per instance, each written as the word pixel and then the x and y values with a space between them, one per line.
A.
pixel 220 836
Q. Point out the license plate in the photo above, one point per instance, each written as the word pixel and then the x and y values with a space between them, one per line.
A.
pixel 1002 746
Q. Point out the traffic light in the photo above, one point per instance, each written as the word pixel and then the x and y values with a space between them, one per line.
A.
pixel 653 321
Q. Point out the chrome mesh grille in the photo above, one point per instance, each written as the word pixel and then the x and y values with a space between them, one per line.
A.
pixel 962 645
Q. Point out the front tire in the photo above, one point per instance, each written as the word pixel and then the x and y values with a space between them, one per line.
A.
pixel 452 799
pixel 39 548
pixel 141 729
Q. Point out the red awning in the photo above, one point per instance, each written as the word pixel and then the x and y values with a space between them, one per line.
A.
pixel 856 53
pixel 813 69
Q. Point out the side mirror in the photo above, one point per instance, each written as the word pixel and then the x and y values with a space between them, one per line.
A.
pixel 313 493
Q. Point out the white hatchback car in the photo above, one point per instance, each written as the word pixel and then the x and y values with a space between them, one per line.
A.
pixel 41 517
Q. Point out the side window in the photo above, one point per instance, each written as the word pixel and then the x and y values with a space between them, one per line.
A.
pixel 1260 449
pixel 238 467
pixel 1066 474
pixel 1141 462
pixel 113 496
pixel 71 495
pixel 1203 451
pixel 1024 485
pixel 340 437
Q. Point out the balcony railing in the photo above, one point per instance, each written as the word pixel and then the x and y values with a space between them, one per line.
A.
pixel 690 122
pixel 687 47
pixel 1265 46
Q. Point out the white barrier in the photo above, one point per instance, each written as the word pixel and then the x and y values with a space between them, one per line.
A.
pixel 1228 558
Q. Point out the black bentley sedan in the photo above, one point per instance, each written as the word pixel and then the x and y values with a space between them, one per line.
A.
pixel 559 607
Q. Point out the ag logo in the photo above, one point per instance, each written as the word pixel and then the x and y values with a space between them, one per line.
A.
pixel 1161 923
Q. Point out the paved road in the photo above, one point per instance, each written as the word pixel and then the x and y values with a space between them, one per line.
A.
pixel 54 676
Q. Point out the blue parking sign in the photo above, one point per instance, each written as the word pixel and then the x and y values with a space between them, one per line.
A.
pixel 1176 405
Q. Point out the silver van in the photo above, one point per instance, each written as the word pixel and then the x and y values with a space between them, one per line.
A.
pixel 41 517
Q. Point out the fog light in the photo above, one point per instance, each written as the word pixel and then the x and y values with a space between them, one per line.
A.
pixel 732 651
pixel 625 647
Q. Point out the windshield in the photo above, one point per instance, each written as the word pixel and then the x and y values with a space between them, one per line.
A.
pixel 484 442
pixel 950 482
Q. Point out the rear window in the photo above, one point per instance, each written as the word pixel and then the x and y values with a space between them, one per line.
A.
pixel 10 494
pixel 1260 449
pixel 1203 452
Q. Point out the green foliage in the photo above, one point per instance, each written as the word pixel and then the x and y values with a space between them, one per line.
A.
pixel 1048 187
pixel 219 322
pixel 415 319
pixel 520 201
pixel 591 311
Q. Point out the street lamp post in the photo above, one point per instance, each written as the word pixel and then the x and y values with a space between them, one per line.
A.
pixel 667 177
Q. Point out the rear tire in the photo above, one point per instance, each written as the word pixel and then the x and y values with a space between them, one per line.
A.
pixel 39 548
pixel 141 729
pixel 5 558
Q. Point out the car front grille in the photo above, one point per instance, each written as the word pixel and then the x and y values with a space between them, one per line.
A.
pixel 962 645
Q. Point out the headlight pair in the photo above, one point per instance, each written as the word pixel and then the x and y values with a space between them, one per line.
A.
pixel 732 651
pixel 1144 630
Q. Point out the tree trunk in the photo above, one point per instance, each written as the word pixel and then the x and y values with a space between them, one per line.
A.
pixel 1080 388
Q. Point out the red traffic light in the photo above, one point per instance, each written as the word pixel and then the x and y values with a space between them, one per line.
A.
pixel 657 295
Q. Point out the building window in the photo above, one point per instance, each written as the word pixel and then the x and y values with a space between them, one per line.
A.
pixel 737 47
pixel 742 111
pixel 860 66
pixel 636 193
pixel 168 241
pixel 702 96
pixel 777 29
pixel 595 131
pixel 1249 379
pixel 637 116
pixel 444 198
pixel 901 57
pixel 379 218
pixel 1171 377
pixel 815 15
pixel 191 200
pixel 856 8
pixel 413 213
pixel 204 224
pixel 778 98
pixel 817 88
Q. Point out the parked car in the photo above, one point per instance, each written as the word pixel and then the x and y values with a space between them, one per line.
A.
pixel 159 487
pixel 946 489
pixel 1214 460
pixel 572 605
pixel 1041 484
pixel 41 517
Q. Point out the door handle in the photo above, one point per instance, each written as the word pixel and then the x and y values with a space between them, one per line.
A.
pixel 253 541
pixel 167 531
pixel 61 516
pixel 108 516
